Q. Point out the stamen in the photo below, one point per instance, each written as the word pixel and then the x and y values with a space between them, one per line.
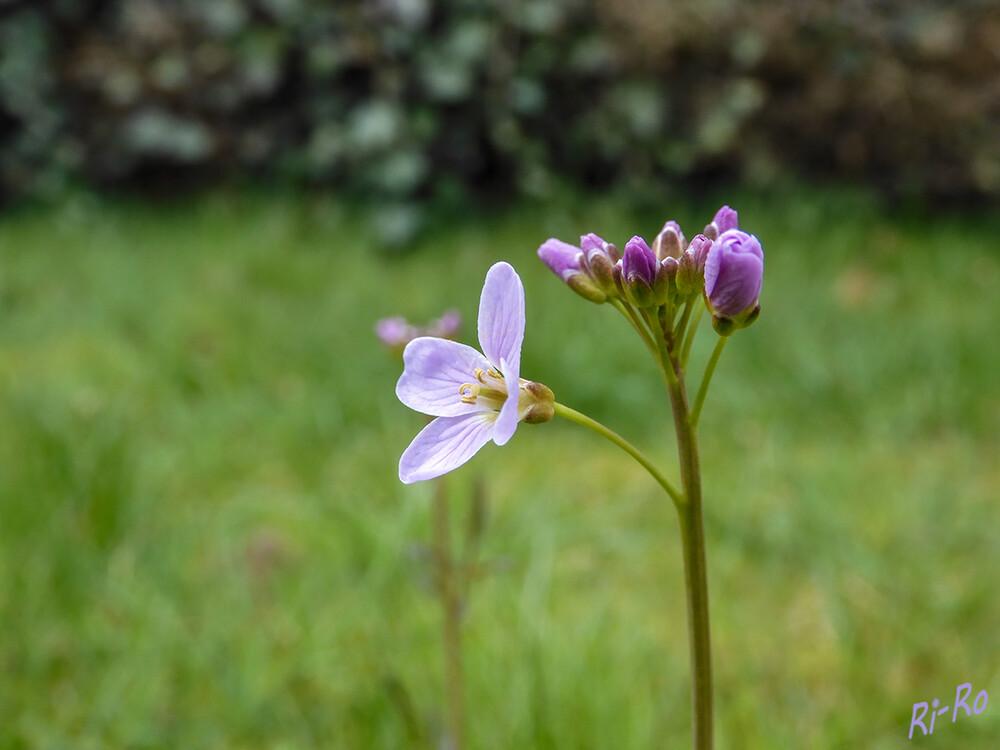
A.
pixel 482 374
pixel 468 392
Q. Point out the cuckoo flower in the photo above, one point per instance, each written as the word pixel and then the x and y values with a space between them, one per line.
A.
pixel 475 398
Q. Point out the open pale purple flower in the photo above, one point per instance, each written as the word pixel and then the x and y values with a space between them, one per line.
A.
pixel 469 393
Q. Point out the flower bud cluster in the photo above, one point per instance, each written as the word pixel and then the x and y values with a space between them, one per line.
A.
pixel 723 264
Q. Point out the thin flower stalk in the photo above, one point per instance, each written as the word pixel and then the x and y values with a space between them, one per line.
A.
pixel 706 380
pixel 580 418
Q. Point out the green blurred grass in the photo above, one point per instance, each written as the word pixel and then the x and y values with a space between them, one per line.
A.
pixel 203 543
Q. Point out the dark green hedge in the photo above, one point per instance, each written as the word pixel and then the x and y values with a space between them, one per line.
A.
pixel 400 99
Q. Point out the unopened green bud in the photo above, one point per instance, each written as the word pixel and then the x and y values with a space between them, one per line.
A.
pixel 664 283
pixel 602 272
pixel 691 269
pixel 687 277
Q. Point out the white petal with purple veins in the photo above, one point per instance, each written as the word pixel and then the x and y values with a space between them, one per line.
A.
pixel 444 445
pixel 433 371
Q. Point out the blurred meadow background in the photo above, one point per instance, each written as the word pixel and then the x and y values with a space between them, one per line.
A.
pixel 206 207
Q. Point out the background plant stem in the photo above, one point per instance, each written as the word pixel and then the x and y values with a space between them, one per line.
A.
pixel 451 605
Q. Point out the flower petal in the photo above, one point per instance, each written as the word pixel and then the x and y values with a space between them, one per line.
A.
pixel 501 317
pixel 433 371
pixel 508 418
pixel 445 444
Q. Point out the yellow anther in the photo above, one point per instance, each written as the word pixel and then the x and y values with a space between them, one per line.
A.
pixel 482 374
pixel 469 392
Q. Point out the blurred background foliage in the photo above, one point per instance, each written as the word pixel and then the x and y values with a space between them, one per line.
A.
pixel 204 543
pixel 402 100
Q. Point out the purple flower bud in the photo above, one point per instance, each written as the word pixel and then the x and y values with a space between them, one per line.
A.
pixel 599 261
pixel 590 242
pixel 734 272
pixel 568 263
pixel 670 242
pixel 561 257
pixel 725 219
pixel 698 250
pixel 639 261
pixel 691 273
pixel 669 268
pixel 639 272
